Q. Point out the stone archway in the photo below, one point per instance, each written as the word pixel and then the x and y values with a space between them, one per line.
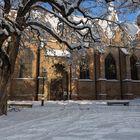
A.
pixel 59 86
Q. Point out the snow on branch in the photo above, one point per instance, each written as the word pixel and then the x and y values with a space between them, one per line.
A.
pixel 76 23
pixel 71 46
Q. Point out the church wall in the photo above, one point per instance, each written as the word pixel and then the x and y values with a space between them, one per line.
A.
pixel 123 65
pixel 136 83
pixel 136 88
pixel 113 89
pixel 127 91
pixel 86 89
pixel 96 87
pixel 22 89
pixel 107 89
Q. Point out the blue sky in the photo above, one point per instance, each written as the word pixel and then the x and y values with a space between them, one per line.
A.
pixel 123 13
pixel 131 17
pixel 101 8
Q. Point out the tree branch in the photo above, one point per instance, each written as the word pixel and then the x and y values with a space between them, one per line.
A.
pixel 7 6
pixel 48 29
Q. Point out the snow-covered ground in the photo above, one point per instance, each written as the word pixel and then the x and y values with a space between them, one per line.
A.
pixel 69 120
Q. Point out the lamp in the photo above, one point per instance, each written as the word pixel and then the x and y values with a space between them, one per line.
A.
pixel 44 72
pixel 138 64
pixel 1 62
pixel 40 46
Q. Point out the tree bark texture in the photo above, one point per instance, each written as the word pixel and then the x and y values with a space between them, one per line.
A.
pixel 7 63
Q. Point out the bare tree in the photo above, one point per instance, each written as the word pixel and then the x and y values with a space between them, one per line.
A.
pixel 75 23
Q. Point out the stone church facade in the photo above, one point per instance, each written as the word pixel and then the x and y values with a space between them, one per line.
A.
pixel 112 74
pixel 93 75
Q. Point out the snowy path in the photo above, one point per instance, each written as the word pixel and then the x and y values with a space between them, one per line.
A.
pixel 72 121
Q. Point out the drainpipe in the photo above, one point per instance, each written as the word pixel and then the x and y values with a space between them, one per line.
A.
pixel 70 76
pixel 37 73
pixel 120 69
pixel 95 76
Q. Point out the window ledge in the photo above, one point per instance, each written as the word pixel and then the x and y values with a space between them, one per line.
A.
pixel 74 78
pixel 85 80
pixel 136 81
pixel 23 78
pixel 101 79
pixel 112 80
pixel 127 80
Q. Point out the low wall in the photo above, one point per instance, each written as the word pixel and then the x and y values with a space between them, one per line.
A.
pixel 86 89
pixel 136 88
pixel 113 89
pixel 22 89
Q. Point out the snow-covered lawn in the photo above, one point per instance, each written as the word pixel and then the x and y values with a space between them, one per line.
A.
pixel 69 120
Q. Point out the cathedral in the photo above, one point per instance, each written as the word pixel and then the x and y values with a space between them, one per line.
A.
pixel 111 72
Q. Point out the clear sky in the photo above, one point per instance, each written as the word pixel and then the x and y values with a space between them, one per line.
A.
pixel 99 9
pixel 128 13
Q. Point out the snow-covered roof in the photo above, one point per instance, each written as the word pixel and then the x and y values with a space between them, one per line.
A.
pixel 57 53
pixel 108 28
pixel 125 51
pixel 131 28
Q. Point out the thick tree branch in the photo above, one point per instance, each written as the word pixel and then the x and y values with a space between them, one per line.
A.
pixel 49 30
pixel 7 6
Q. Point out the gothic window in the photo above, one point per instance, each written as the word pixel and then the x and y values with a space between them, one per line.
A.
pixel 84 68
pixel 25 70
pixel 21 69
pixel 110 67
pixel 134 73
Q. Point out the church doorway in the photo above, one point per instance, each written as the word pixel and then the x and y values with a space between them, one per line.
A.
pixel 59 86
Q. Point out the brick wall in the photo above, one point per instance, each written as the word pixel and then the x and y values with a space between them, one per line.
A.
pixel 22 89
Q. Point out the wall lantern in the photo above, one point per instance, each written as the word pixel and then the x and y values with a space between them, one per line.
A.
pixel 1 62
pixel 44 72
pixel 138 64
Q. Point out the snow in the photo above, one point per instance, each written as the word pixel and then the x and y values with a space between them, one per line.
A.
pixel 72 120
pixel 131 28
pixel 58 53
pixel 125 51
pixel 112 12
pixel 99 28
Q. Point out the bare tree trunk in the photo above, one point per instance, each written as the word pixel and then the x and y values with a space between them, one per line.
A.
pixel 7 63
pixel 4 77
pixel 3 96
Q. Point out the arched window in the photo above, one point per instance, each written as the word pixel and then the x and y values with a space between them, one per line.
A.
pixel 25 69
pixel 84 68
pixel 110 67
pixel 134 73
pixel 21 69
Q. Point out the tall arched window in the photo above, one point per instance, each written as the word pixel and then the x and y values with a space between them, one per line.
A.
pixel 25 70
pixel 84 68
pixel 21 69
pixel 134 73
pixel 110 67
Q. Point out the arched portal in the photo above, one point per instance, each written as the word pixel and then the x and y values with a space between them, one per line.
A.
pixel 110 67
pixel 134 72
pixel 59 85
